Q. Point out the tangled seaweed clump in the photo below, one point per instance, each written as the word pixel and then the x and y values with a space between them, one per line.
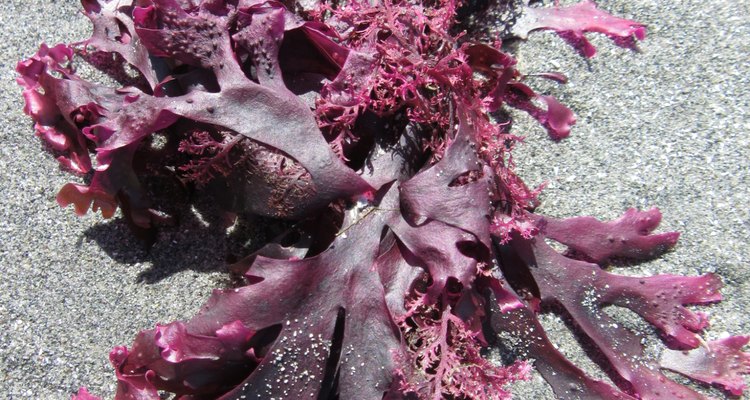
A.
pixel 379 130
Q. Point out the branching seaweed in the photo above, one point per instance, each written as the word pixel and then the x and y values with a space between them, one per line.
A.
pixel 379 121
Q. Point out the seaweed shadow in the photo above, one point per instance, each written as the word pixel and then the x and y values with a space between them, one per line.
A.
pixel 200 240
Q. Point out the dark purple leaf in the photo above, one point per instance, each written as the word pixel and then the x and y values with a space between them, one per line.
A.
pixel 719 362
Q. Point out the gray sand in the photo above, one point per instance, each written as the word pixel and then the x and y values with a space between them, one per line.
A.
pixel 667 128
